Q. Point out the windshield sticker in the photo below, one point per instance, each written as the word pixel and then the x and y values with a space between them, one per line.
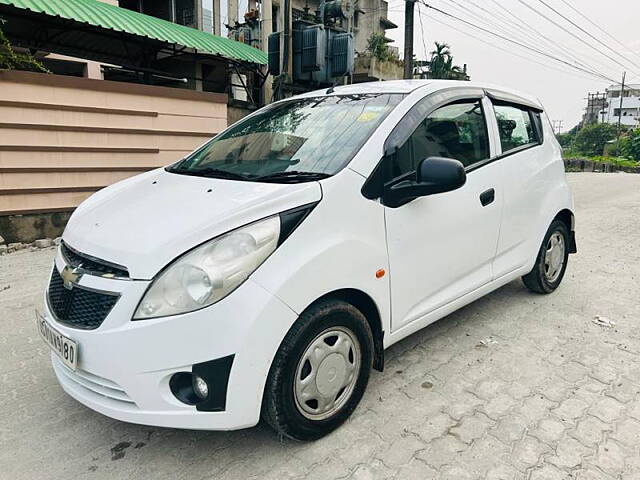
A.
pixel 368 116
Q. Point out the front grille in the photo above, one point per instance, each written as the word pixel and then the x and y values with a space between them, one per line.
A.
pixel 78 307
pixel 92 265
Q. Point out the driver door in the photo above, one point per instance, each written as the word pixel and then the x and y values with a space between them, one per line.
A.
pixel 442 246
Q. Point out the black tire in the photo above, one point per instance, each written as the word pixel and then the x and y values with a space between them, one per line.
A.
pixel 279 408
pixel 536 280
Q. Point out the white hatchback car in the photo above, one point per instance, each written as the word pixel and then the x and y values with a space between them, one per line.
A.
pixel 265 273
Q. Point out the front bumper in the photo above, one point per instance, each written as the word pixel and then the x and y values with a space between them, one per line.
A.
pixel 124 366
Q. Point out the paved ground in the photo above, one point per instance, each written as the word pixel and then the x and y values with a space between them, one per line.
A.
pixel 513 386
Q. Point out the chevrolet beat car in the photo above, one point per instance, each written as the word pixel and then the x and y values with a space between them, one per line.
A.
pixel 264 275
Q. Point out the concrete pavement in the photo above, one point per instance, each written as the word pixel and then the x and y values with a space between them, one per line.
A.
pixel 513 386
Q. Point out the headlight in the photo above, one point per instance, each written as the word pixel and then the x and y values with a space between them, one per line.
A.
pixel 211 271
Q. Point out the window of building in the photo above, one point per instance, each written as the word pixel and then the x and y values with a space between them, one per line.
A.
pixel 614 93
pixel 515 126
pixel 457 130
pixel 275 12
pixel 185 13
pixel 135 5
pixel 616 112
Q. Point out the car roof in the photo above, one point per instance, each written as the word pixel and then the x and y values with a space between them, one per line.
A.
pixel 428 86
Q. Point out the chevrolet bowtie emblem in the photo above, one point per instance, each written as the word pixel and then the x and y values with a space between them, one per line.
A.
pixel 71 276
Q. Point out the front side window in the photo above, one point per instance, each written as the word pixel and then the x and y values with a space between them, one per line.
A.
pixel 515 126
pixel 457 131
pixel 299 140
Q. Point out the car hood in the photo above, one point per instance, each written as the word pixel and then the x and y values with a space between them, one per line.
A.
pixel 145 222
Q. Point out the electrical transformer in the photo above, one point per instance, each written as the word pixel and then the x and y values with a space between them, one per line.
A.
pixel 321 54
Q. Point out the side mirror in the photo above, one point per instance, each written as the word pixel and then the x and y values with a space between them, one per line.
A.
pixel 433 175
pixel 439 174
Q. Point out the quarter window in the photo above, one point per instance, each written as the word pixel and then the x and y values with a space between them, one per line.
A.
pixel 516 128
pixel 457 130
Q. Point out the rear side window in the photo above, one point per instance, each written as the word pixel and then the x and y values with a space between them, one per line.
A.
pixel 457 130
pixel 516 126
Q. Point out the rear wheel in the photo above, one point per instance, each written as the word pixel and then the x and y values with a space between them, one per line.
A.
pixel 551 262
pixel 320 372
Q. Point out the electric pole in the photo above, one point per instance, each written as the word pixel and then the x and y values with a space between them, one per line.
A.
pixel 557 126
pixel 408 38
pixel 266 23
pixel 624 74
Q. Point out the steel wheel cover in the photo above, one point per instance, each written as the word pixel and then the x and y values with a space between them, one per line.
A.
pixel 554 257
pixel 327 373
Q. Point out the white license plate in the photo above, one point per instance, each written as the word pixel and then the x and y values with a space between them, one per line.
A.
pixel 66 348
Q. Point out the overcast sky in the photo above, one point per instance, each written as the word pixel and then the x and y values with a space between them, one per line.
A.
pixel 561 89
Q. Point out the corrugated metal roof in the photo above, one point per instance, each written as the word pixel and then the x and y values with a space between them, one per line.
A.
pixel 110 17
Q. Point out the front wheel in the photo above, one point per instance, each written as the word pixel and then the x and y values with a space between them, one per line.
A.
pixel 320 372
pixel 551 262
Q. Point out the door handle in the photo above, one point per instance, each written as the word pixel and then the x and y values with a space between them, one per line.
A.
pixel 487 197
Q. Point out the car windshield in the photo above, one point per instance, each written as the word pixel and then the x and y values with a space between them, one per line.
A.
pixel 300 140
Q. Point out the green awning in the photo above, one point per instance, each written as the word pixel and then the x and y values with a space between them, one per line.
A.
pixel 110 17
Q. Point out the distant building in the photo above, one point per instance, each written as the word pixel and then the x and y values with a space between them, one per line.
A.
pixel 630 111
pixel 596 108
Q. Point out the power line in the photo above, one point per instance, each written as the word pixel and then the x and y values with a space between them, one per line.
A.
pixel 540 52
pixel 565 50
pixel 515 32
pixel 598 26
pixel 510 52
pixel 587 33
pixel 424 45
pixel 557 126
pixel 570 33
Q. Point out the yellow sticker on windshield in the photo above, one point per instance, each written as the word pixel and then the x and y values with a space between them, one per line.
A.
pixel 368 116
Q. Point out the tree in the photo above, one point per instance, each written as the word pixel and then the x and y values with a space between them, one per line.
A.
pixel 379 48
pixel 441 63
pixel 565 139
pixel 592 138
pixel 630 145
pixel 10 60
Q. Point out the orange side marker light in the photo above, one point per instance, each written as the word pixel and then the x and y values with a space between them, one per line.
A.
pixel 380 273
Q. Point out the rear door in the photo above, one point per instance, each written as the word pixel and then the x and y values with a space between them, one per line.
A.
pixel 523 163
pixel 442 246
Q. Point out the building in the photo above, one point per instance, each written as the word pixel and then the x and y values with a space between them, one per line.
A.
pixel 197 14
pixel 596 108
pixel 629 114
pixel 355 23
pixel 129 92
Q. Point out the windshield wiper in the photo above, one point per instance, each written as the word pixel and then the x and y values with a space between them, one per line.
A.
pixel 292 176
pixel 210 172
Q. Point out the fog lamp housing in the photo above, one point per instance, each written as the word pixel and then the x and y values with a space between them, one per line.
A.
pixel 188 388
pixel 205 387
